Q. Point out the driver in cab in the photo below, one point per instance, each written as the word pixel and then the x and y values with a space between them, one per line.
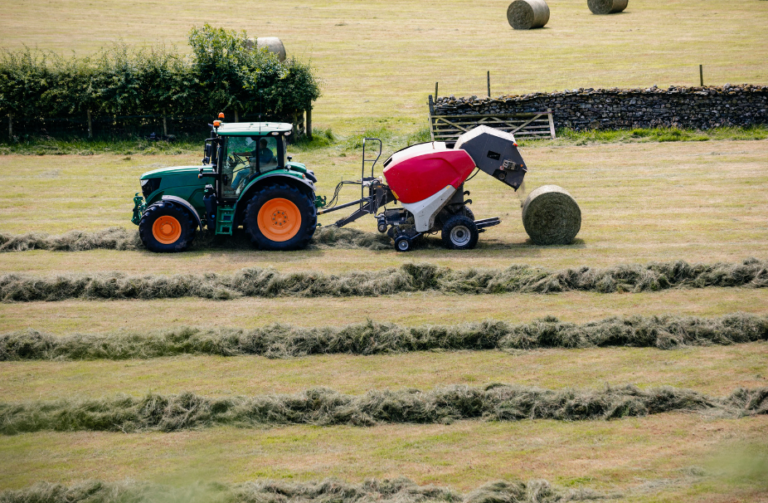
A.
pixel 265 158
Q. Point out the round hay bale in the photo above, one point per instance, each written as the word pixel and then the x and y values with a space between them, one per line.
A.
pixel 607 6
pixel 551 216
pixel 272 44
pixel 527 14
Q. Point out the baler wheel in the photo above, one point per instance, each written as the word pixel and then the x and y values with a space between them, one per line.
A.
pixel 402 244
pixel 460 233
pixel 468 213
pixel 166 227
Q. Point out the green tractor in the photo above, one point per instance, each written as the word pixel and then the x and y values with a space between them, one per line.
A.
pixel 247 178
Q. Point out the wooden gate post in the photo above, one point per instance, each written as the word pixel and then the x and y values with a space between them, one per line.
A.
pixel 90 125
pixel 165 126
pixel 10 126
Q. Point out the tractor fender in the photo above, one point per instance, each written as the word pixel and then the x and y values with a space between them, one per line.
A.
pixel 303 184
pixel 188 206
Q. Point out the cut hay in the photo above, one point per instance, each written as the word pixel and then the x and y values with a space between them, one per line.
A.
pixel 325 407
pixel 551 216
pixel 335 237
pixel 399 490
pixel 119 238
pixel 370 338
pixel 257 282
pixel 115 238
pixel 607 6
pixel 528 14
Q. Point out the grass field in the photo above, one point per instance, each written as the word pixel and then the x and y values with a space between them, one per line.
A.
pixel 379 60
pixel 643 199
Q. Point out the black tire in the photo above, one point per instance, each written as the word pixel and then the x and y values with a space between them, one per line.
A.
pixel 467 212
pixel 151 235
pixel 305 206
pixel 402 244
pixel 382 227
pixel 460 233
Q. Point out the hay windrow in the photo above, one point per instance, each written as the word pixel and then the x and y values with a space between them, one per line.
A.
pixel 114 238
pixel 399 490
pixel 325 407
pixel 370 338
pixel 551 216
pixel 119 238
pixel 607 6
pixel 258 282
pixel 527 14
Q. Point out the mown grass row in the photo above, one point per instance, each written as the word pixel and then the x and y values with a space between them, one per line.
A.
pixel 259 282
pixel 370 338
pixel 400 490
pixel 325 407
pixel 119 238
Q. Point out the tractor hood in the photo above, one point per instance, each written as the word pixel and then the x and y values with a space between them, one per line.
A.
pixel 176 170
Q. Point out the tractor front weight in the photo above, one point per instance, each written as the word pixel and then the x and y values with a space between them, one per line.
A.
pixel 138 208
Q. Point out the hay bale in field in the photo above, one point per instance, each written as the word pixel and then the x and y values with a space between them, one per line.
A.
pixel 527 14
pixel 551 216
pixel 607 6
pixel 272 44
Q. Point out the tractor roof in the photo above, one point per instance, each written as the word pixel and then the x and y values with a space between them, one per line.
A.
pixel 253 128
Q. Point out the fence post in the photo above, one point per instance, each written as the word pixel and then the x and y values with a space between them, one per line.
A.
pixel 489 83
pixel 701 74
pixel 308 125
pixel 90 125
pixel 165 125
pixel 10 126
pixel 237 116
pixel 436 91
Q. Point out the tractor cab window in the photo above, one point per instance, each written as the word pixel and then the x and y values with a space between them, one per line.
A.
pixel 247 156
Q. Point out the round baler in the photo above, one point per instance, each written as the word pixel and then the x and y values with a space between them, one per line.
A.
pixel 428 180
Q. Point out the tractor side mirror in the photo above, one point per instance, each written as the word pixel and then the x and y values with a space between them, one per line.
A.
pixel 208 150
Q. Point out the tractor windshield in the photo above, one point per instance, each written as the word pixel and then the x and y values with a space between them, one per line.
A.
pixel 247 156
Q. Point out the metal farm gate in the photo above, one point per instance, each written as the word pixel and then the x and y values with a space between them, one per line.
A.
pixel 448 128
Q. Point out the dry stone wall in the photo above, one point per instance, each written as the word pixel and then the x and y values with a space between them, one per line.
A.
pixel 582 109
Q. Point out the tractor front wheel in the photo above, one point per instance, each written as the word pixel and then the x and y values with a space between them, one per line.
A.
pixel 280 217
pixel 166 227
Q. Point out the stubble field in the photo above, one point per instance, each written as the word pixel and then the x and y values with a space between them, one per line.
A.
pixel 641 202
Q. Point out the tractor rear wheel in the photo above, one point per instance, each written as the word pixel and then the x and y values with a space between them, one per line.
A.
pixel 166 227
pixel 280 217
pixel 460 233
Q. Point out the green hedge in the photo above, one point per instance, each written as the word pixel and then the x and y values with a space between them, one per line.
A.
pixel 130 91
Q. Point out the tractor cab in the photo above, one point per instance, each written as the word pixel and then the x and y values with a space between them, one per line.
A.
pixel 247 152
pixel 246 179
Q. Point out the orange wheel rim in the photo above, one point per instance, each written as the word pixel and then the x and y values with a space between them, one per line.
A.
pixel 167 230
pixel 279 219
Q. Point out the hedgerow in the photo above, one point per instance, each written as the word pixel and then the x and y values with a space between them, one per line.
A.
pixel 123 89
